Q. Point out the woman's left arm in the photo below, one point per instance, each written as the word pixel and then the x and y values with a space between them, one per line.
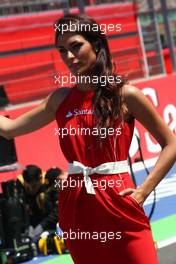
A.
pixel 141 109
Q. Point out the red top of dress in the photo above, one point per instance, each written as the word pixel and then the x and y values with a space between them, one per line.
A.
pixel 76 113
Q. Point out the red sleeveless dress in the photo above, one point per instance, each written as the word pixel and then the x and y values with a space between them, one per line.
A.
pixel 105 227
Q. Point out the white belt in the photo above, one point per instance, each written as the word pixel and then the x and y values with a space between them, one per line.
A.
pixel 105 168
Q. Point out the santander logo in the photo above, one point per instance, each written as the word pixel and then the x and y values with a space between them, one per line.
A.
pixel 77 112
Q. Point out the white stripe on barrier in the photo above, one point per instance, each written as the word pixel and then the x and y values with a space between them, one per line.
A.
pixel 166 242
pixel 166 188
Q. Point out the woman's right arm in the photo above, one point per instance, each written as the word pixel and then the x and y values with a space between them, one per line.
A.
pixel 34 119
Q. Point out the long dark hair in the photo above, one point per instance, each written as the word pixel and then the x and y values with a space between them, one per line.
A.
pixel 108 99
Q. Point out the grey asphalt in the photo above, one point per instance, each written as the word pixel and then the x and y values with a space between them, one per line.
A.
pixel 167 255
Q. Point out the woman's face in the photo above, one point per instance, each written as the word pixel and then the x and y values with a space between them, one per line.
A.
pixel 76 52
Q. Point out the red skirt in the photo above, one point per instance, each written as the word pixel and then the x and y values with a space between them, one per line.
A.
pixel 106 227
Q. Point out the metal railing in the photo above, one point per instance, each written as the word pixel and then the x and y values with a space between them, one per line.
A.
pixel 158 32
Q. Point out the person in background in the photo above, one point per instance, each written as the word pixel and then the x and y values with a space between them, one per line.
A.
pixel 38 191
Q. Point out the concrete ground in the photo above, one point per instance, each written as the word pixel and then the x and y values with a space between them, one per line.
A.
pixel 167 255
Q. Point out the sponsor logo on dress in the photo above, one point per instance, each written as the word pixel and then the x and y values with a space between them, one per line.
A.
pixel 69 114
pixel 77 112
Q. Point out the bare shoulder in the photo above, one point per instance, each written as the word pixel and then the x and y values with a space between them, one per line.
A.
pixel 129 91
pixel 133 99
pixel 56 98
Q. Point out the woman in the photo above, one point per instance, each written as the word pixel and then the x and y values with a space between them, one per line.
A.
pixel 100 210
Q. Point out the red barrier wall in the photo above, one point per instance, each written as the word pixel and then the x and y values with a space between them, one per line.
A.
pixel 162 94
pixel 24 75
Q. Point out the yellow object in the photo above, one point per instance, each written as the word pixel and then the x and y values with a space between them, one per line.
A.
pixel 59 244
pixel 42 244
